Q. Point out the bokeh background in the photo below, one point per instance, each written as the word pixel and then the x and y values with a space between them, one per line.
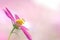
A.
pixel 43 17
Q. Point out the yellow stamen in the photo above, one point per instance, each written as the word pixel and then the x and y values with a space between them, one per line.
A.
pixel 20 21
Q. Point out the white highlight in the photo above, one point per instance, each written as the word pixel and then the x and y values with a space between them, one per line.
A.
pixel 50 3
pixel 27 25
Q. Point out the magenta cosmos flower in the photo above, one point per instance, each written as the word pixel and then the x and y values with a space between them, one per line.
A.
pixel 17 23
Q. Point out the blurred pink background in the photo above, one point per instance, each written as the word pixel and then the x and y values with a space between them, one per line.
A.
pixel 42 15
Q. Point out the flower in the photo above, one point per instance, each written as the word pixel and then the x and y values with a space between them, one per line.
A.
pixel 17 24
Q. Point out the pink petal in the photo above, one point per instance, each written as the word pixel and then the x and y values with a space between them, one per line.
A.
pixel 26 33
pixel 16 16
pixel 25 28
pixel 8 13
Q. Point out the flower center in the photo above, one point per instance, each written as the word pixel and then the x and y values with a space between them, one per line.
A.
pixel 19 22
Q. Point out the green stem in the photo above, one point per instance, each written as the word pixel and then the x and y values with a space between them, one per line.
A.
pixel 11 33
pixel 15 27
